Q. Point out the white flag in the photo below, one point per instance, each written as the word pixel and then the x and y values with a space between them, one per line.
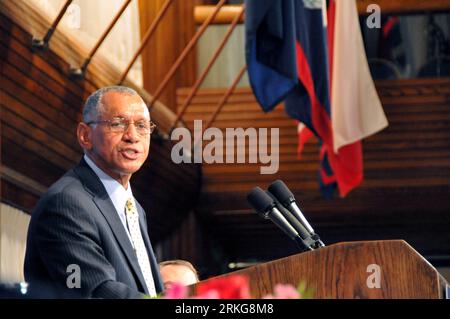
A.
pixel 356 110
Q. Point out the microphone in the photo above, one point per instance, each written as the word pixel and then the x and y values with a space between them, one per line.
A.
pixel 267 208
pixel 282 193
pixel 290 218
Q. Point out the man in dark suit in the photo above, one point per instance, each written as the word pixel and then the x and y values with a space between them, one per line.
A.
pixel 88 236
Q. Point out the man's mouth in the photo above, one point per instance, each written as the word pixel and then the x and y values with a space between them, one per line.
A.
pixel 130 154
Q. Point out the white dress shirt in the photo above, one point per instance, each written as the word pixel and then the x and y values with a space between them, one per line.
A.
pixel 118 194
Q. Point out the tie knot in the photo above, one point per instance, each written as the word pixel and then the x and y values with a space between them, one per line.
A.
pixel 129 205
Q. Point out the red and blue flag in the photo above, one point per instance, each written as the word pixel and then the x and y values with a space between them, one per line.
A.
pixel 287 58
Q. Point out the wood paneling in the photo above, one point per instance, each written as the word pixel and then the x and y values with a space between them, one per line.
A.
pixel 40 108
pixel 172 35
pixel 404 6
pixel 225 15
pixel 16 196
pixel 405 193
pixel 228 12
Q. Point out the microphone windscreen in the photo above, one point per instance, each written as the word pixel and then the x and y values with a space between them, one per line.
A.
pixel 260 201
pixel 281 192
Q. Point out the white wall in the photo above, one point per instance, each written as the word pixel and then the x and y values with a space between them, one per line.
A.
pixel 86 21
pixel 13 236
pixel 230 61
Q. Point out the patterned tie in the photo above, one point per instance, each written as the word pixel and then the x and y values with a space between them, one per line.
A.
pixel 139 246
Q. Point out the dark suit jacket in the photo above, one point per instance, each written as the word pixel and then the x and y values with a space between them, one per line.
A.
pixel 75 222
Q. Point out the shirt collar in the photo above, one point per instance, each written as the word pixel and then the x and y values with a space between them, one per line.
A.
pixel 115 190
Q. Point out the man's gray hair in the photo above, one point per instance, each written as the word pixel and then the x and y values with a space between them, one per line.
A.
pixel 91 109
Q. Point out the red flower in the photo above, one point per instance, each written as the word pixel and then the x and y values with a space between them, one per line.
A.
pixel 230 287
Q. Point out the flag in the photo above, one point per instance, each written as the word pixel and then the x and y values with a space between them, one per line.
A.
pixel 356 108
pixel 287 59
pixel 270 50
pixel 282 36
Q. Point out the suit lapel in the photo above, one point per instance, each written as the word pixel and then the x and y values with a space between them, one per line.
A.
pixel 106 207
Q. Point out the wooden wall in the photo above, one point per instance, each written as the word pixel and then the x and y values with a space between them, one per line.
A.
pixel 405 193
pixel 404 6
pixel 40 109
pixel 167 43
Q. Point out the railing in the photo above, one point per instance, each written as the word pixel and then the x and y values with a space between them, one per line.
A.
pixel 205 72
pixel 80 71
pixel 214 14
pixel 151 30
pixel 204 15
pixel 43 43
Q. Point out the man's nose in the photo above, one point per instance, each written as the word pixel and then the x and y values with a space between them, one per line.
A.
pixel 131 133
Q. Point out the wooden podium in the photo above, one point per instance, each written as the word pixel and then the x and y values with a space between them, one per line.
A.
pixel 369 269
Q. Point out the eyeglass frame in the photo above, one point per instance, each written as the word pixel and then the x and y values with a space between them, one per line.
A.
pixel 127 125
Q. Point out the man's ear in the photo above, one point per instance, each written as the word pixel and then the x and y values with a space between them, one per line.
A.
pixel 84 135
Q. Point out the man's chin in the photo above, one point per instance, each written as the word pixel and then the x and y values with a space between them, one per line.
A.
pixel 128 170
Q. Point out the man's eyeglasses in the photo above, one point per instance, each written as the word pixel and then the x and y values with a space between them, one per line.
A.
pixel 120 125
